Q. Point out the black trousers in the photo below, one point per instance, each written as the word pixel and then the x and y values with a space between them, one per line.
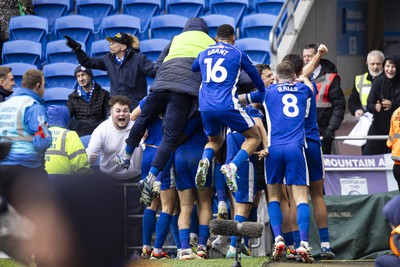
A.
pixel 175 108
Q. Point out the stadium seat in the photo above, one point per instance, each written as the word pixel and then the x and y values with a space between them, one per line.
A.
pixel 78 27
pixel 18 70
pixel 257 26
pixel 234 8
pixel 57 51
pixel 56 96
pixel 258 49
pixel 167 26
pixel 23 51
pixel 53 9
pixel 119 23
pixel 272 7
pixel 186 8
pixel 95 9
pixel 60 75
pixel 143 9
pixel 215 20
pixel 101 77
pixel 100 48
pixel 153 47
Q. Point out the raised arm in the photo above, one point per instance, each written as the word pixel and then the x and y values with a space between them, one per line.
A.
pixel 313 64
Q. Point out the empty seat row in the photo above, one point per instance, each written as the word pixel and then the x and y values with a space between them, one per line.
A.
pixel 146 9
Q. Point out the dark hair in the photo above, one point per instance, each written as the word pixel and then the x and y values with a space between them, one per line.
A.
pixel 261 67
pixel 312 46
pixel 285 70
pixel 225 31
pixel 121 99
pixel 4 71
pixel 297 62
pixel 31 78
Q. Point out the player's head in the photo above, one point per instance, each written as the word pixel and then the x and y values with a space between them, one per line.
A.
pixel 225 33
pixel 285 72
pixel 119 109
pixel 264 70
pixel 297 62
pixel 309 52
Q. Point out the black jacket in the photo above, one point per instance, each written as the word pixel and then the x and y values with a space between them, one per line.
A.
pixel 90 113
pixel 3 94
pixel 334 115
pixel 384 88
pixel 128 78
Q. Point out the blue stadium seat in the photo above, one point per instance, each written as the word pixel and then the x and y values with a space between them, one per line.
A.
pixel 18 70
pixel 257 26
pixel 119 23
pixel 167 26
pixel 258 49
pixel 214 20
pixel 153 47
pixel 78 27
pixel 33 28
pixel 100 48
pixel 234 8
pixel 53 9
pixel 95 9
pixel 101 77
pixel 22 51
pixel 186 8
pixel 143 9
pixel 56 96
pixel 272 7
pixel 60 75
pixel 58 51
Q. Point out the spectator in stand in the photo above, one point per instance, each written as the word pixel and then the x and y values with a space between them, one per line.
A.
pixel 66 155
pixel 87 105
pixel 362 83
pixel 126 67
pixel 383 100
pixel 331 104
pixel 6 82
pixel 8 9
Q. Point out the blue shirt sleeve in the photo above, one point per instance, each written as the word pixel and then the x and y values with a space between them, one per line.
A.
pixel 31 119
pixel 249 68
pixel 196 65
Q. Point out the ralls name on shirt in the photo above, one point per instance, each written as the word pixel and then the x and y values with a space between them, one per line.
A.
pixel 217 51
pixel 284 88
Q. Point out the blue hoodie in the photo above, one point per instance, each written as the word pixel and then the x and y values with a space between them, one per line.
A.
pixel 58 116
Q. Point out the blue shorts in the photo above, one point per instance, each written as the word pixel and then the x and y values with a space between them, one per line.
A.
pixel 186 161
pixel 215 122
pixel 247 183
pixel 315 167
pixel 166 177
pixel 286 161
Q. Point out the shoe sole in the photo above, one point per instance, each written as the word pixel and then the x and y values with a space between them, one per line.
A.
pixel 201 174
pixel 305 257
pixel 327 257
pixel 223 215
pixel 230 180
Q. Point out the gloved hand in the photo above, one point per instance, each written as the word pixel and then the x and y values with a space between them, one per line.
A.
pixel 74 45
pixel 328 134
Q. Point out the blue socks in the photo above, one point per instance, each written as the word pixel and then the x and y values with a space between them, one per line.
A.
pixel 288 237
pixel 149 226
pixel 204 233
pixel 184 235
pixel 163 223
pixel 303 220
pixel 296 237
pixel 323 234
pixel 275 216
pixel 175 230
pixel 208 153
pixel 154 171
pixel 253 214
pixel 194 221
pixel 240 158
pixel 239 219
pixel 219 183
